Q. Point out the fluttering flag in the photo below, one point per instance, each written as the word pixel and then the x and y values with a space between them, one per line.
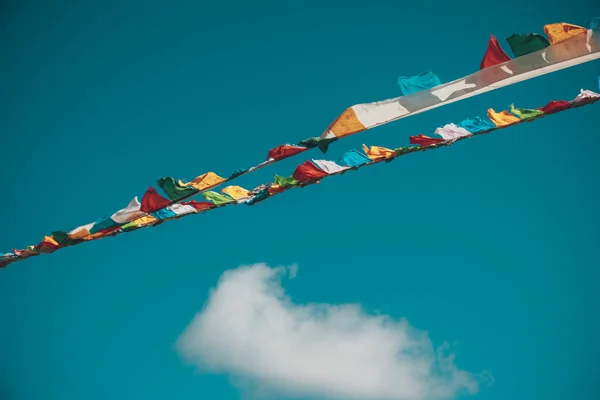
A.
pixel 424 141
pixel 174 190
pixel 521 45
pixel 307 172
pixel 477 124
pixel 555 106
pixel 378 152
pixel 152 201
pixel 329 167
pixel 217 198
pixel 129 213
pixel 452 132
pixel 502 118
pixel 494 54
pixel 285 151
pixel 353 158
pixel 586 97
pixel 525 113
pixel 423 81
pixel 235 192
pixel 205 181
pixel 562 31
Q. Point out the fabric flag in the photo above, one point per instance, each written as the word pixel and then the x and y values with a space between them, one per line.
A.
pixel 285 181
pixel 165 213
pixel 353 158
pixel 129 213
pixel 235 192
pixel 175 191
pixel 562 31
pixel 204 181
pixel 217 198
pixel 494 54
pixel 103 233
pixel 153 201
pixel 477 124
pixel 61 237
pixel 378 153
pixel 329 166
pixel 81 231
pixel 452 132
pixel 403 150
pixel 555 106
pixel 423 81
pixel 47 245
pixel 585 97
pixel 260 196
pixel 521 45
pixel 502 118
pixel 102 225
pixel 307 171
pixel 321 143
pixel 593 23
pixel 238 172
pixel 285 151
pixel 199 205
pixel 274 189
pixel 525 113
pixel 139 223
pixel 424 141
pixel 182 209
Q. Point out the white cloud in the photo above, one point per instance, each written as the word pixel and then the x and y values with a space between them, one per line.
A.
pixel 252 331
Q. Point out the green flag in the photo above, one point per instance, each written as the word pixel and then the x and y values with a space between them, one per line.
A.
pixel 525 44
pixel 525 113
pixel 174 190
pixel 217 198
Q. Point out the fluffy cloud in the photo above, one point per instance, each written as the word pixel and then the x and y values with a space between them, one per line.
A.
pixel 252 331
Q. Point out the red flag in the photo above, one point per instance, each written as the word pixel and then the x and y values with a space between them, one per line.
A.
pixel 152 201
pixel 199 205
pixel 424 141
pixel 555 106
pixel 285 151
pixel 494 55
pixel 307 171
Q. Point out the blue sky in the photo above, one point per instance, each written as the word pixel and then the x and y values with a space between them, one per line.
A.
pixel 489 244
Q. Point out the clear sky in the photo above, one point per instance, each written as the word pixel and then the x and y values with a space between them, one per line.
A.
pixel 490 245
